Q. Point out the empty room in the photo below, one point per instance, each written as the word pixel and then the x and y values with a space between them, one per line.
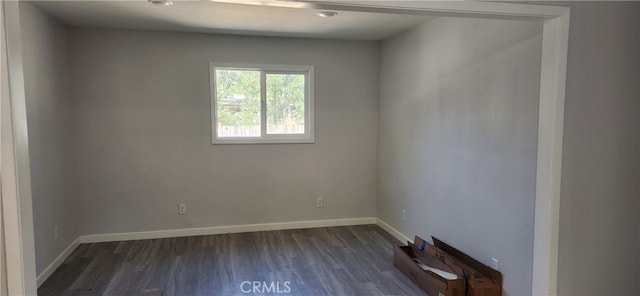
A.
pixel 223 147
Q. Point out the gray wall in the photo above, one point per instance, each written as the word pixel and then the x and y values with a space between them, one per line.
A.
pixel 50 132
pixel 4 93
pixel 599 205
pixel 142 124
pixel 458 137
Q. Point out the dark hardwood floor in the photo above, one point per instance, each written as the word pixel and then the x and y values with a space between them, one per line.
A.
pixel 350 260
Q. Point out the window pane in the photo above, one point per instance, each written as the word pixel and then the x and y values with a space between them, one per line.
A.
pixel 285 103
pixel 238 103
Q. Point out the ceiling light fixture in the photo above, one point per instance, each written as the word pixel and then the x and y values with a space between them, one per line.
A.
pixel 161 2
pixel 327 13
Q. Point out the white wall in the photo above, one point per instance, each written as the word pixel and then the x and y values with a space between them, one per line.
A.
pixel 142 124
pixel 49 116
pixel 458 137
pixel 599 204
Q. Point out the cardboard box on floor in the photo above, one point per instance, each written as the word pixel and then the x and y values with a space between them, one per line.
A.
pixel 481 280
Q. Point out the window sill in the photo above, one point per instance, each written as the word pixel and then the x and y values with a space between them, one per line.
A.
pixel 236 141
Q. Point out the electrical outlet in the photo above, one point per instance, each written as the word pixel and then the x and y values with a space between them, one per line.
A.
pixel 56 233
pixel 320 202
pixel 182 209
pixel 495 263
pixel 404 215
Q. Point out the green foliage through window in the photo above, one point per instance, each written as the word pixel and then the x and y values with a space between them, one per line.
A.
pixel 238 102
pixel 285 103
pixel 238 99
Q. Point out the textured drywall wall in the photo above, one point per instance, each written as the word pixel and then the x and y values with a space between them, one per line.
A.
pixel 458 138
pixel 51 145
pixel 142 124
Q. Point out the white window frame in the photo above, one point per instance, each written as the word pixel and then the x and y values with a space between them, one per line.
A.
pixel 306 70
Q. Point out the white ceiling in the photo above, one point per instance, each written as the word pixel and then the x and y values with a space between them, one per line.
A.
pixel 244 19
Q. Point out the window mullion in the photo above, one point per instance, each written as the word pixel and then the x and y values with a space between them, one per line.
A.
pixel 263 104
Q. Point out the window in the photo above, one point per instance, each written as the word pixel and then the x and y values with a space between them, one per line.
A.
pixel 261 104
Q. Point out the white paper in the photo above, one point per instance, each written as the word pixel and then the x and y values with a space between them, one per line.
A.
pixel 442 273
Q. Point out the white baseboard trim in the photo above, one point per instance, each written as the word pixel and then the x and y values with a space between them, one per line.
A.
pixel 47 272
pixel 110 237
pixel 397 234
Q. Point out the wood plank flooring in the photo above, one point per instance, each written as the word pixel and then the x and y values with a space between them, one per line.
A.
pixel 349 260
